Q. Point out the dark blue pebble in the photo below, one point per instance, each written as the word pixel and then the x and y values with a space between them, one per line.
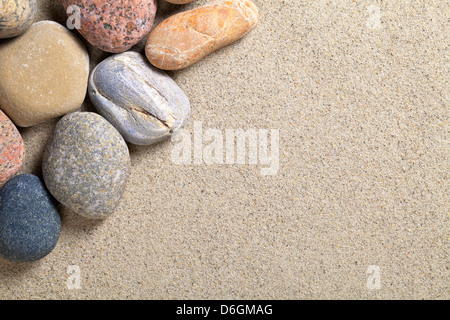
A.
pixel 29 221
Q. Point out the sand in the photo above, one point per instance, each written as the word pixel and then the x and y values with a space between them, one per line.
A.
pixel 358 209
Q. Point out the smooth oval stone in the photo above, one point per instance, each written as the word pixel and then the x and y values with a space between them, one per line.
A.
pixel 113 26
pixel 12 149
pixel 179 1
pixel 29 221
pixel 16 16
pixel 43 74
pixel 187 37
pixel 143 103
pixel 86 164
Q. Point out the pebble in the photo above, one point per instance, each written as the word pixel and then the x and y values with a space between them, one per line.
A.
pixel 179 1
pixel 189 36
pixel 43 74
pixel 86 164
pixel 29 221
pixel 12 149
pixel 114 26
pixel 143 103
pixel 16 16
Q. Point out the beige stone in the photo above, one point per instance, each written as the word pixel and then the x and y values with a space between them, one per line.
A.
pixel 43 74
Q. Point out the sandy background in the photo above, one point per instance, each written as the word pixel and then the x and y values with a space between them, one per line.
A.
pixel 360 93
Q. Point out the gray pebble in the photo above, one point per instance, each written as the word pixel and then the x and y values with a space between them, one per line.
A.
pixel 143 103
pixel 29 220
pixel 86 164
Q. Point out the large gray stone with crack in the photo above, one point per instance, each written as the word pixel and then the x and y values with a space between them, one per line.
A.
pixel 143 103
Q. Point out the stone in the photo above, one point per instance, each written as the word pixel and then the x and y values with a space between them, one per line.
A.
pixel 189 36
pixel 12 149
pixel 30 225
pixel 16 16
pixel 143 103
pixel 86 164
pixel 179 1
pixel 43 74
pixel 113 26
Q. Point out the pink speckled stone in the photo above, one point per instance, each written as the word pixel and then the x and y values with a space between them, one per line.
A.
pixel 114 26
pixel 12 150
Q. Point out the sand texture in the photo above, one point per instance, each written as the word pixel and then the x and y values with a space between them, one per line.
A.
pixel 359 94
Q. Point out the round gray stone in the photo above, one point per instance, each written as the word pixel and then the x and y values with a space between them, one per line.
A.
pixel 86 164
pixel 29 220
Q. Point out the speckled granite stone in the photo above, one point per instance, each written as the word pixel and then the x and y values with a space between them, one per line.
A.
pixel 16 16
pixel 114 26
pixel 12 149
pixel 140 101
pixel 86 164
pixel 43 74
pixel 179 1
pixel 29 221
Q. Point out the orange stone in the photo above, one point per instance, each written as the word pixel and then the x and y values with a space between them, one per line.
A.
pixel 179 1
pixel 189 36
pixel 12 150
